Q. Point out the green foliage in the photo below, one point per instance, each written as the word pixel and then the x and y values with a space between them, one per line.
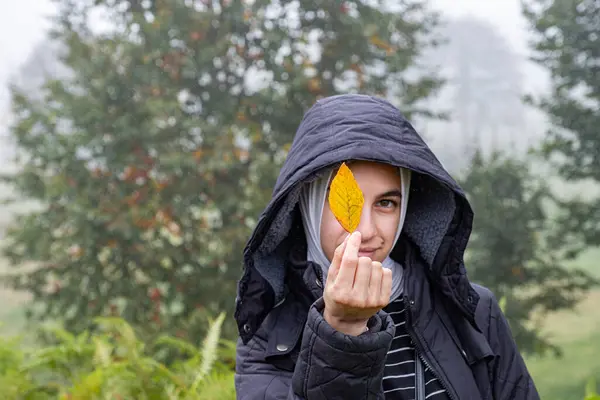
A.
pixel 565 43
pixel 115 364
pixel 516 249
pixel 153 157
pixel 590 391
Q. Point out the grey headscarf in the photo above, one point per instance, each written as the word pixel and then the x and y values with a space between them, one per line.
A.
pixel 312 201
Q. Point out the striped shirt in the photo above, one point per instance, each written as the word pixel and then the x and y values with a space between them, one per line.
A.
pixel 404 372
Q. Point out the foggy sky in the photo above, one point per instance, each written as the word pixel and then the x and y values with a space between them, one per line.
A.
pixel 23 24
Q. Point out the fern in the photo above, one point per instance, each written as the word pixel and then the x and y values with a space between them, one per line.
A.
pixel 181 345
pixel 218 385
pixel 114 363
pixel 209 349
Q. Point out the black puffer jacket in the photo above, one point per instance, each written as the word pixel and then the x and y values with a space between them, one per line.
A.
pixel 286 348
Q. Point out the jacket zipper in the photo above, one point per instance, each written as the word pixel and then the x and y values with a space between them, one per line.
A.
pixel 319 273
pixel 418 343
pixel 419 378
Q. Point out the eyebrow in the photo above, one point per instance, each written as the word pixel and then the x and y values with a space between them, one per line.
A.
pixel 392 193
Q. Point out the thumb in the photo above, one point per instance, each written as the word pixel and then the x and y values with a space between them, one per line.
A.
pixel 334 268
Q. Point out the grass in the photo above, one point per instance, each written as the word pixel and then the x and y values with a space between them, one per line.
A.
pixel 577 332
pixel 565 378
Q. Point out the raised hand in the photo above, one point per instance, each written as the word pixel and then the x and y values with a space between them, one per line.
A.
pixel 356 288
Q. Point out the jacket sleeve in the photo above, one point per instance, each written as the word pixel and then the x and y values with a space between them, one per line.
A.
pixel 510 377
pixel 331 365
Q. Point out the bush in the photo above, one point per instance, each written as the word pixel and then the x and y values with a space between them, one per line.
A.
pixel 113 363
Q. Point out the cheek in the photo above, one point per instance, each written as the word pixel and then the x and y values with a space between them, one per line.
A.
pixel 388 227
pixel 332 233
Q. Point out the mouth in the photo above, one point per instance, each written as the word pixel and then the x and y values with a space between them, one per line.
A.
pixel 366 252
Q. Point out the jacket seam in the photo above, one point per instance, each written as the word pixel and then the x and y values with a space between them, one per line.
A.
pixel 491 315
pixel 268 386
pixel 489 328
pixel 369 379
pixel 522 386
pixel 308 361
pixel 250 349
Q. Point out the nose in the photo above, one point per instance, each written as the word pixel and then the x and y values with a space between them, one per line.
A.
pixel 366 226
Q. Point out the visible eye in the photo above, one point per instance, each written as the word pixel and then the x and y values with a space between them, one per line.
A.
pixel 386 203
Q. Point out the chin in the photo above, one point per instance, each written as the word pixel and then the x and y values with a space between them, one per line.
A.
pixel 378 258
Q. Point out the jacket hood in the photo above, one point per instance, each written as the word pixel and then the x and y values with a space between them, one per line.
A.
pixel 356 127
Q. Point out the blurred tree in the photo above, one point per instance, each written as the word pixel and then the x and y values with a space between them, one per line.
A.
pixel 516 250
pixel 486 79
pixel 566 43
pixel 153 158
pixel 483 91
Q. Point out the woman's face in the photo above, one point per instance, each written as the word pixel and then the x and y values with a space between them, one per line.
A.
pixel 381 187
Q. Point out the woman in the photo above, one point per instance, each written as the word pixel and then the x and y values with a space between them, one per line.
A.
pixel 386 312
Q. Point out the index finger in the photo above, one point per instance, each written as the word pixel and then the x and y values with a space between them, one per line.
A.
pixel 349 262
pixel 336 261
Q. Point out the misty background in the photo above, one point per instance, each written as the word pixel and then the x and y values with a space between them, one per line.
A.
pixel 480 118
pixel 26 57
pixel 488 72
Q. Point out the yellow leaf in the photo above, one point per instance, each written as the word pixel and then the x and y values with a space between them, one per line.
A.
pixel 346 199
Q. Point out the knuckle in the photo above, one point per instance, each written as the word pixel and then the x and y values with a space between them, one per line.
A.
pixel 385 297
pixel 374 300
pixel 350 259
pixel 361 303
pixel 335 291
pixel 337 299
pixel 341 296
pixel 328 295
pixel 350 302
pixel 377 272
pixel 364 261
